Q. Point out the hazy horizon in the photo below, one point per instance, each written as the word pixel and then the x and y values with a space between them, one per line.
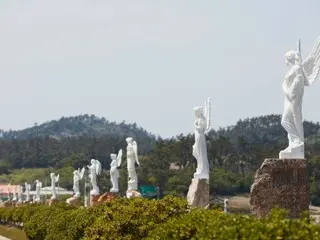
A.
pixel 150 62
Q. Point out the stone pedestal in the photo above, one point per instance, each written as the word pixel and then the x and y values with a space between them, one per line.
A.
pixel 74 200
pixel 94 200
pixel 108 196
pixel 280 183
pixel 52 201
pixel 198 194
pixel 133 193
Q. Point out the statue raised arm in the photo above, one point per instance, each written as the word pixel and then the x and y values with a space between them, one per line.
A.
pixel 94 169
pixel 114 172
pixel 201 125
pixel 300 74
pixel 132 158
pixel 54 180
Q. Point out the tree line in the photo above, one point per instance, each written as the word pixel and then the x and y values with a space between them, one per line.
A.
pixel 234 154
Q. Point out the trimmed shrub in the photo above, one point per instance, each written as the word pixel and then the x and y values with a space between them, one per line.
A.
pixel 212 224
pixel 134 218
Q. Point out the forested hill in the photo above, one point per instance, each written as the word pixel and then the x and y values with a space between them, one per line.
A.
pixel 265 130
pixel 82 125
pixel 234 153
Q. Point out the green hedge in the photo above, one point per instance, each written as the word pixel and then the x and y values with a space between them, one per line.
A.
pixel 168 218
pixel 213 224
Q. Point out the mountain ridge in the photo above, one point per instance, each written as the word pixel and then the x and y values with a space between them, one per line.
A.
pixel 76 126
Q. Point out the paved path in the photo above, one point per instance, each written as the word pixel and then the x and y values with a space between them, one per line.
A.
pixel 4 238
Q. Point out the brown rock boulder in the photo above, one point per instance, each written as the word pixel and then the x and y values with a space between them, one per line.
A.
pixel 280 183
pixel 198 194
pixel 108 196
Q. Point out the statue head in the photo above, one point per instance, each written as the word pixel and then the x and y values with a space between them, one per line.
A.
pixel 113 156
pixel 198 111
pixel 75 172
pixel 129 140
pixel 292 58
pixel 92 161
pixel 51 175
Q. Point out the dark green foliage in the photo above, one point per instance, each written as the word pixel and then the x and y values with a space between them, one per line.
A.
pixel 213 224
pixel 234 154
pixel 133 219
pixel 165 219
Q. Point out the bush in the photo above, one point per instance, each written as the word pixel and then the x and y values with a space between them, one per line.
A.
pixel 37 225
pixel 133 218
pixel 212 224
pixel 168 218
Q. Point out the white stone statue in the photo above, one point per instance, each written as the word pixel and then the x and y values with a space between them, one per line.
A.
pixel 54 180
pixel 20 195
pixel 94 169
pixel 77 176
pixel 14 193
pixel 38 190
pixel 225 204
pixel 9 192
pixel 202 125
pixel 27 191
pixel 300 74
pixel 114 172
pixel 132 158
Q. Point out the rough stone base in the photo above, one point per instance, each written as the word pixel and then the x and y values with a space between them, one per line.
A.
pixel 198 194
pixel 280 183
pixel 94 200
pixel 73 201
pixel 52 201
pixel 108 196
pixel 133 193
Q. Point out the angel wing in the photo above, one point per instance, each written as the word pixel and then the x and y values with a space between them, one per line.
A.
pixel 98 167
pixel 311 65
pixel 119 158
pixel 135 148
pixel 81 173
pixel 207 113
pixel 57 178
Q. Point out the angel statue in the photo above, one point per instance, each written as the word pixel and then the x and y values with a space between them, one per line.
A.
pixel 38 190
pixel 132 158
pixel 9 192
pixel 202 125
pixel 301 73
pixel 20 195
pixel 54 180
pixel 27 191
pixel 77 176
pixel 94 169
pixel 14 195
pixel 114 172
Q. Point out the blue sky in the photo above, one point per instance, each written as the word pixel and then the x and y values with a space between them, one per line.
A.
pixel 150 62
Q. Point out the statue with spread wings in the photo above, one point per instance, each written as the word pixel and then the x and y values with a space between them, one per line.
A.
pixel 301 73
pixel 54 180
pixel 94 170
pixel 77 176
pixel 132 158
pixel 114 172
pixel 202 125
